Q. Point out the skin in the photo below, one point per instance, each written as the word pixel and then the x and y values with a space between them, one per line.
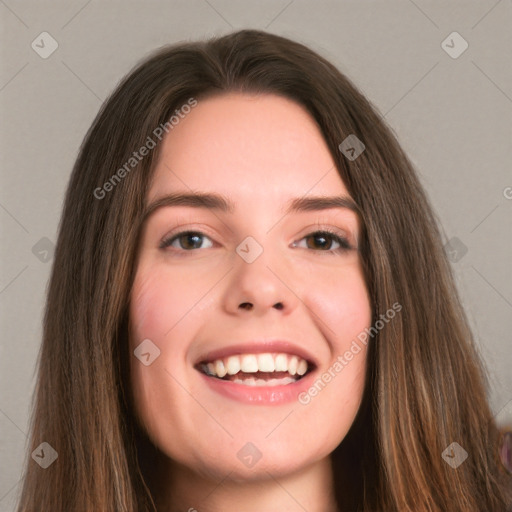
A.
pixel 259 151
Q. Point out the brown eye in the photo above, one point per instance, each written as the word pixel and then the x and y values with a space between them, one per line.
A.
pixel 187 240
pixel 320 241
pixel 326 241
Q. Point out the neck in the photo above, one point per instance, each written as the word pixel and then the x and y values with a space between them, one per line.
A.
pixel 179 489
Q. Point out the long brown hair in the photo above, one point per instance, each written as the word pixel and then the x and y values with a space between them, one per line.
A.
pixel 425 386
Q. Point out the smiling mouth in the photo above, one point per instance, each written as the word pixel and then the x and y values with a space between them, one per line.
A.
pixel 266 369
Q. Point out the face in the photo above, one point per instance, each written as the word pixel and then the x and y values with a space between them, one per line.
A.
pixel 247 309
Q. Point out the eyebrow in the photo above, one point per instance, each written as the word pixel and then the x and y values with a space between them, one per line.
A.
pixel 213 201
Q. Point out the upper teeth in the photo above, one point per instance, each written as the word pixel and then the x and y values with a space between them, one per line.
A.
pixel 252 363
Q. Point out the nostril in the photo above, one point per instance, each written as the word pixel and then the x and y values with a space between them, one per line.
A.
pixel 245 305
pixel 279 305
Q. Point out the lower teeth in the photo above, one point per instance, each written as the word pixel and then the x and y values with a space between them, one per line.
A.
pixel 251 381
pixel 258 378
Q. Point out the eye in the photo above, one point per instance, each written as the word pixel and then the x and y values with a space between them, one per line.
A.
pixel 186 240
pixel 325 240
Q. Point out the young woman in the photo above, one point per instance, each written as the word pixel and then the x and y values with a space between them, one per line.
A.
pixel 250 307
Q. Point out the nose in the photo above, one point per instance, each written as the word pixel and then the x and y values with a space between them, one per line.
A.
pixel 260 286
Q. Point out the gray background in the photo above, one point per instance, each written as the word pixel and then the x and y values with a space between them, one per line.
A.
pixel 452 116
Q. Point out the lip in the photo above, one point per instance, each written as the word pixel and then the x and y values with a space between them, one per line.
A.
pixel 259 347
pixel 260 395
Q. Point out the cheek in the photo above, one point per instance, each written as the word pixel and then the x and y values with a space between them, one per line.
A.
pixel 158 303
pixel 343 308
pixel 158 312
pixel 340 300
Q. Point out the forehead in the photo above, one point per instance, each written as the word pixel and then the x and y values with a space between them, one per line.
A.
pixel 246 146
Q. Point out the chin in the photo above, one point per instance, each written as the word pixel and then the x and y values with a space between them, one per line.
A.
pixel 245 460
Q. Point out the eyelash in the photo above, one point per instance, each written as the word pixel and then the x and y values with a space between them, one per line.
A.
pixel 344 245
